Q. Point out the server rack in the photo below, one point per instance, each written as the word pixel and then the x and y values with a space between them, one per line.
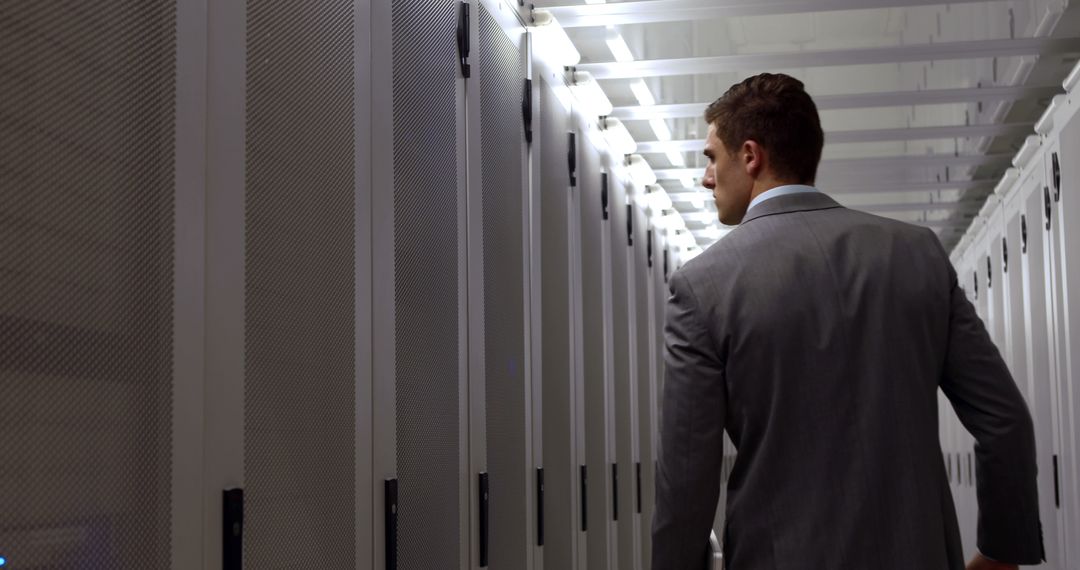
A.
pixel 623 322
pixel 1037 218
pixel 645 354
pixel 500 378
pixel 563 433
pixel 597 351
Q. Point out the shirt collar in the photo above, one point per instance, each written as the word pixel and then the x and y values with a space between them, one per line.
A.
pixel 781 191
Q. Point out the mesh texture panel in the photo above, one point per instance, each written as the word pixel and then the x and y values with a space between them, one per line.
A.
pixel 621 253
pixel 299 388
pixel 594 351
pixel 642 345
pixel 560 465
pixel 86 275
pixel 426 282
pixel 502 75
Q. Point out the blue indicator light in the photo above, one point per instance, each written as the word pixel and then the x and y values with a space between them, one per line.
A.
pixel 3 561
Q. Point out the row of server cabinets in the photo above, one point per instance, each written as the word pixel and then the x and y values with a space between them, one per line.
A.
pixel 343 284
pixel 1019 264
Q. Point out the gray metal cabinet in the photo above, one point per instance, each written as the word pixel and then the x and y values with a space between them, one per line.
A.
pixel 565 476
pixel 597 353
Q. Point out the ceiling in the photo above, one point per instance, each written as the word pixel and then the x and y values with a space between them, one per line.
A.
pixel 923 104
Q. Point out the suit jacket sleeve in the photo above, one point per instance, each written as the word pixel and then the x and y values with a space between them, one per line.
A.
pixel 988 403
pixel 691 436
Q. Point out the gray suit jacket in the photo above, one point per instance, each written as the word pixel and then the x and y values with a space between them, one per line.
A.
pixel 818 337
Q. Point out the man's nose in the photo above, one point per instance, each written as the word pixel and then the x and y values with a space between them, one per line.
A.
pixel 709 181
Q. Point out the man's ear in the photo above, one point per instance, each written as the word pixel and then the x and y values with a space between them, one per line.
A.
pixel 754 159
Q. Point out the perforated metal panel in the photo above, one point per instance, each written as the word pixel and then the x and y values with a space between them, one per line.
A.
pixel 561 520
pixel 86 283
pixel 426 282
pixel 621 253
pixel 596 352
pixel 502 75
pixel 299 388
pixel 642 307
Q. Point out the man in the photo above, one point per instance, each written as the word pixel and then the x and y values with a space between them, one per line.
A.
pixel 818 337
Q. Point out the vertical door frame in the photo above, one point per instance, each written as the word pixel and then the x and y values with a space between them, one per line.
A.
pixel 225 253
pixel 383 313
pixel 364 506
pixel 189 273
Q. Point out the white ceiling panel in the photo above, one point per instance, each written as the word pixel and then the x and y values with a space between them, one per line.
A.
pixel 904 86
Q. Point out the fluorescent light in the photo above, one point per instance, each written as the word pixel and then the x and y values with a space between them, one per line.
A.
pixel 618 138
pixel 640 171
pixel 676 158
pixel 618 46
pixel 659 126
pixel 552 41
pixel 642 94
pixel 589 92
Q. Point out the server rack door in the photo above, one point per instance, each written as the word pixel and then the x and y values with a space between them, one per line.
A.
pixel 1043 401
pixel 596 352
pixel 1012 294
pixel 1062 173
pixel 498 284
pixel 299 312
pixel 562 509
pixel 992 267
pixel 643 355
pixel 87 294
pixel 657 307
pixel 623 375
pixel 968 499
pixel 420 365
pixel 1047 415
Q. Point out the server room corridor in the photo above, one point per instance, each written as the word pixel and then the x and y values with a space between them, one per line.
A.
pixel 383 284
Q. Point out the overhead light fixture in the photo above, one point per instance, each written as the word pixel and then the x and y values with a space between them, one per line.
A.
pixel 642 93
pixel 551 40
pixel 618 137
pixel 669 222
pixel 589 92
pixel 618 46
pixel 659 126
pixel 655 199
pixel 640 171
pixel 676 158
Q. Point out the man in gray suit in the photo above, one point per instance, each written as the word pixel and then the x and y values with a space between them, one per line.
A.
pixel 818 337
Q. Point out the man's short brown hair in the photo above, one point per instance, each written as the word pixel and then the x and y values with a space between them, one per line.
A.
pixel 775 111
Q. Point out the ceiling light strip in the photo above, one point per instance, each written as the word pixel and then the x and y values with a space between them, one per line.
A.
pixel 654 11
pixel 855 164
pixel 739 63
pixel 861 100
pixel 867 135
